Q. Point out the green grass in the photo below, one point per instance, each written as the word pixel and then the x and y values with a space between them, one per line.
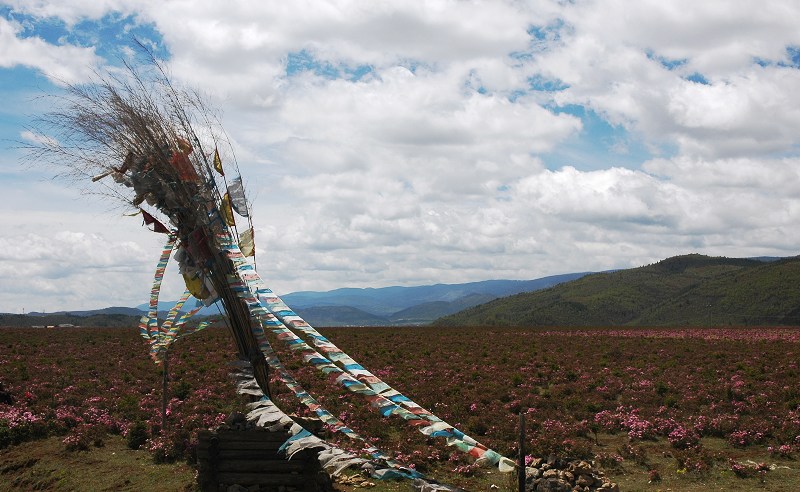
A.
pixel 632 475
pixel 45 465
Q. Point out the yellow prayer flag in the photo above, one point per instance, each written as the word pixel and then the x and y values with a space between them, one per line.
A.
pixel 195 286
pixel 246 243
pixel 218 162
pixel 226 211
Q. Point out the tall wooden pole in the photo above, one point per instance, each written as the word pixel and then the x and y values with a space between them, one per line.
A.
pixel 521 463
pixel 164 395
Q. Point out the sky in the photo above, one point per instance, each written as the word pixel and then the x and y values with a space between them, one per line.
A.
pixel 419 142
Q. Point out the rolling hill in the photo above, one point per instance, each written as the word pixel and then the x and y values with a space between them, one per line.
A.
pixel 683 290
pixel 387 306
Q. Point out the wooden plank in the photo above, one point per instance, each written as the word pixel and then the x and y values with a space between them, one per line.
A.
pixel 274 446
pixel 261 478
pixel 260 466
pixel 257 454
pixel 252 458
pixel 261 436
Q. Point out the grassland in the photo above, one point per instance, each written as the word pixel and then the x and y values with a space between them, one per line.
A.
pixel 704 409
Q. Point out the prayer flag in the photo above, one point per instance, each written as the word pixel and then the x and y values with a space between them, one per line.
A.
pixel 225 210
pixel 218 163
pixel 195 286
pixel 157 226
pixel 247 243
pixel 238 200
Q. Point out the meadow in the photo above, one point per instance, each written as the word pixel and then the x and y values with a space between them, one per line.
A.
pixel 657 409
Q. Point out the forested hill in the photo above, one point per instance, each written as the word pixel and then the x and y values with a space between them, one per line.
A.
pixel 692 290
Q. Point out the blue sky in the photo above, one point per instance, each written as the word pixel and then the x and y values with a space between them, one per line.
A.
pixel 396 143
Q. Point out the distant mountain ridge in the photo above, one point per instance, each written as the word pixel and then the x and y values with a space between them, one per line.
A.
pixel 385 301
pixel 383 306
pixel 691 289
pixel 391 306
pixel 688 289
pixel 125 311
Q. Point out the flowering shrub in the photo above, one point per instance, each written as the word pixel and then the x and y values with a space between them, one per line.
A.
pixel 735 384
pixel 782 451
pixel 18 424
pixel 626 418
pixel 466 470
pixel 695 460
pixel 745 437
pixel 742 471
pixel 681 438
pixel 83 384
pixel 83 436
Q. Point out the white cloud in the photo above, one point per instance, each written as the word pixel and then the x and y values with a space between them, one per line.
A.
pixel 71 270
pixel 717 38
pixel 751 113
pixel 73 11
pixel 429 167
pixel 611 53
pixel 37 138
pixel 61 64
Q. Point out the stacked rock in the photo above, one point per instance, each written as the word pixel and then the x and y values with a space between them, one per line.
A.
pixel 566 475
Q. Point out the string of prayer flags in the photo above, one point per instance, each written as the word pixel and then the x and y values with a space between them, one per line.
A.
pixel 149 320
pixel 264 413
pixel 259 313
pixel 267 313
pixel 351 375
pixel 160 338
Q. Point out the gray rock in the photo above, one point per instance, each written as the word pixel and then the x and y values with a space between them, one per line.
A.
pixel 609 486
pixel 581 468
pixel 553 485
pixel 585 481
pixel 532 473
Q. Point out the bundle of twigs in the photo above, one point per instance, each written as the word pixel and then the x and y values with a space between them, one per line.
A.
pixel 159 143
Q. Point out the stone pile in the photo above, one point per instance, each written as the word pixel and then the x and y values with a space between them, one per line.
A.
pixel 566 475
